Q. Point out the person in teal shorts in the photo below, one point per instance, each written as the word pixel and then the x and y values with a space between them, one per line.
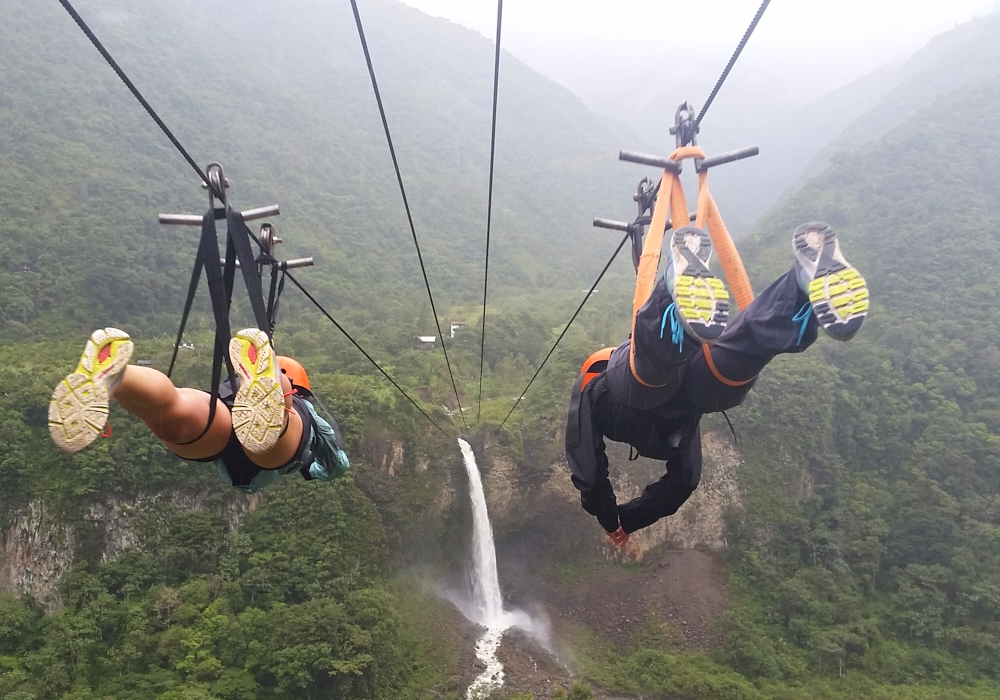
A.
pixel 267 428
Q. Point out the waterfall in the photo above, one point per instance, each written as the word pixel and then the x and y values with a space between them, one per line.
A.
pixel 486 584
pixel 488 601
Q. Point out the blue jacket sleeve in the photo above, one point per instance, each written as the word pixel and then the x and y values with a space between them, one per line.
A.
pixel 330 459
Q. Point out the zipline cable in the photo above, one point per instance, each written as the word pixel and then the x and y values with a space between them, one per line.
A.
pixel 406 202
pixel 364 352
pixel 576 313
pixel 138 95
pixel 732 62
pixel 489 206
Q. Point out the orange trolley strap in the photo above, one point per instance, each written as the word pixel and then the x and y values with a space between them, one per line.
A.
pixel 670 200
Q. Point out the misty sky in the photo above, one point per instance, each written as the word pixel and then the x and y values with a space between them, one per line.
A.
pixel 807 47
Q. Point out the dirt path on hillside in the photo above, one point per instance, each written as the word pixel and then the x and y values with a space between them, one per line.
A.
pixel 675 595
pixel 672 600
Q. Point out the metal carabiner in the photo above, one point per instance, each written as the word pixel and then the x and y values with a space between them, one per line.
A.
pixel 684 128
pixel 220 183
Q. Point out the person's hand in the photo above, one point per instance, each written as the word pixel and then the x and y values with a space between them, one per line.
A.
pixel 619 538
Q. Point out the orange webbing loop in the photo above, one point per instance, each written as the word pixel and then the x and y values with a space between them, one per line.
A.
pixel 671 198
pixel 706 350
pixel 729 257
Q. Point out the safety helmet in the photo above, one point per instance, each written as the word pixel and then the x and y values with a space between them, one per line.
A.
pixel 295 372
pixel 595 364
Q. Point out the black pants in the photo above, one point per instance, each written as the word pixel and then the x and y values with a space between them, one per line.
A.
pixel 662 421
pixel 679 377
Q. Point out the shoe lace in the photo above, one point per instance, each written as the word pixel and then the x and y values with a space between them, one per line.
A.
pixel 676 330
pixel 802 317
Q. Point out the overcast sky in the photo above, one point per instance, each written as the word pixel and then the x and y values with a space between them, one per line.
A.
pixel 808 46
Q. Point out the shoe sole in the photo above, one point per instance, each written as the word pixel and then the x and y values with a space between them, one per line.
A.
pixel 701 298
pixel 837 291
pixel 78 409
pixel 259 406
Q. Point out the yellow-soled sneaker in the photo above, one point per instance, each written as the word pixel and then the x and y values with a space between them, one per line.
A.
pixel 78 409
pixel 700 298
pixel 838 293
pixel 259 406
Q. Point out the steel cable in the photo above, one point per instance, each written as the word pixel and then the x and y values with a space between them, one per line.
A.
pixel 489 207
pixel 138 95
pixel 559 339
pixel 732 62
pixel 364 352
pixel 406 202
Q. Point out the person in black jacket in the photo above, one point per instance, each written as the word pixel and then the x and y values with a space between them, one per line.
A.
pixel 684 360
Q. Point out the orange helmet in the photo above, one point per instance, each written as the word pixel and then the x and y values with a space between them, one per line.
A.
pixel 295 372
pixel 595 364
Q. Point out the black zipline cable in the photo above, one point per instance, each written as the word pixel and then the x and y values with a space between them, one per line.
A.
pixel 489 207
pixel 364 352
pixel 138 95
pixel 590 293
pixel 732 62
pixel 406 202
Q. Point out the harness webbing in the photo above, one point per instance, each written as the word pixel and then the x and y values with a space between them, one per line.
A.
pixel 670 200
pixel 221 276
pixel 706 350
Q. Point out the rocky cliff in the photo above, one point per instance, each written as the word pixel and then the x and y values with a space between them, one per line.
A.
pixel 531 501
pixel 39 546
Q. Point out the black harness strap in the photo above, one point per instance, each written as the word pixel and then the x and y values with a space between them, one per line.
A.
pixel 221 278
pixel 239 237
pixel 274 298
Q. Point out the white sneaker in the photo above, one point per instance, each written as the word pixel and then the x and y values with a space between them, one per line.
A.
pixel 78 409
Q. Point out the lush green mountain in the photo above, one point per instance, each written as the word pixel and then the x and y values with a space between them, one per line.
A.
pixel 882 557
pixel 279 93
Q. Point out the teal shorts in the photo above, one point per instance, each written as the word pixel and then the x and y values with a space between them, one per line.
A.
pixel 329 460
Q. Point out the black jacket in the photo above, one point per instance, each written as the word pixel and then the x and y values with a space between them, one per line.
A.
pixel 669 432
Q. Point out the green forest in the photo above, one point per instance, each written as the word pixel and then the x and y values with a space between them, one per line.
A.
pixel 864 559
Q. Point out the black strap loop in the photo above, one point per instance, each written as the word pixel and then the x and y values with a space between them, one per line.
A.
pixel 221 279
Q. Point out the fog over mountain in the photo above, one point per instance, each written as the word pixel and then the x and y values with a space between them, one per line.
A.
pixel 809 71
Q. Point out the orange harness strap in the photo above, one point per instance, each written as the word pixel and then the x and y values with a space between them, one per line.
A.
pixel 671 199
pixel 707 351
pixel 729 257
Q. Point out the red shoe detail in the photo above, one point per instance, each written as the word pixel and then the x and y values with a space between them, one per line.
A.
pixel 104 353
pixel 252 353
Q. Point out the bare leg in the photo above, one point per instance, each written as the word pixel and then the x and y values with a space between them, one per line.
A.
pixel 174 415
pixel 179 415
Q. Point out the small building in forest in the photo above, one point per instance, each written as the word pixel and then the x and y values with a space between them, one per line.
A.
pixel 456 326
pixel 424 342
